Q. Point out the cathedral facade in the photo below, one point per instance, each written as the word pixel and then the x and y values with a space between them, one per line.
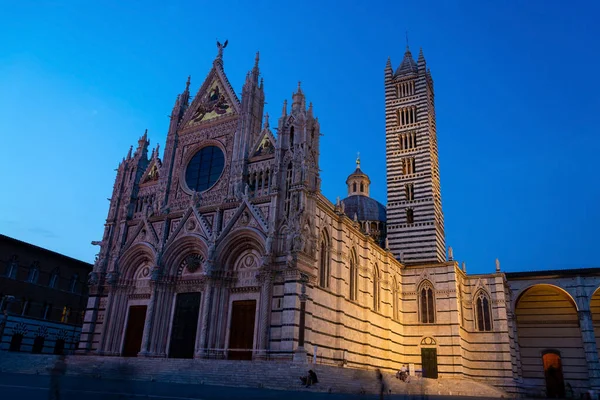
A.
pixel 226 248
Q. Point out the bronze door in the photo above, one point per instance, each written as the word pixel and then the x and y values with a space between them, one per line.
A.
pixel 429 363
pixel 185 325
pixel 134 331
pixel 241 332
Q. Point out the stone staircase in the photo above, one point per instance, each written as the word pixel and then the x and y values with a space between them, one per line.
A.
pixel 265 374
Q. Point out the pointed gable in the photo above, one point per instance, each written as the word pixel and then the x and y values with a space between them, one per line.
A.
pixel 265 144
pixel 215 99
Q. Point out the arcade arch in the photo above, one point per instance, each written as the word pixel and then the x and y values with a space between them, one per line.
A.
pixel 547 323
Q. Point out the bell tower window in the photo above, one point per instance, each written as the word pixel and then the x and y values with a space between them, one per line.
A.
pixel 410 217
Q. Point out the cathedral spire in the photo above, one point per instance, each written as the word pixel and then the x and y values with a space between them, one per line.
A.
pixel 408 65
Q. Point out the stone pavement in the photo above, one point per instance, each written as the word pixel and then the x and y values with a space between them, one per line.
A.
pixel 253 374
pixel 35 387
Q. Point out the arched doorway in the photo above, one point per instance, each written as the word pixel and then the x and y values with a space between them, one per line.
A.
pixel 555 384
pixel 550 341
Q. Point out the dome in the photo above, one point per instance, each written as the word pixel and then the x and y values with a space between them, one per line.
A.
pixel 365 208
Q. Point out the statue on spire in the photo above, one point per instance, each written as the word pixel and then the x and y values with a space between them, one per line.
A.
pixel 221 47
pixel 358 160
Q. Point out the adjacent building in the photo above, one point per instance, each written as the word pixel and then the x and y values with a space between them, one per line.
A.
pixel 226 247
pixel 43 296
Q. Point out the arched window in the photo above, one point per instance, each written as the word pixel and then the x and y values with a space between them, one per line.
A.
pixel 354 187
pixel 426 304
pixel 482 311
pixel 291 136
pixel 34 274
pixel 74 281
pixel 395 313
pixel 376 288
pixel 353 276
pixel 288 185
pixel 38 345
pixel 53 283
pixel 362 187
pixel 324 261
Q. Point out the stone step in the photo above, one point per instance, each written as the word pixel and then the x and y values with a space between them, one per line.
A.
pixel 267 374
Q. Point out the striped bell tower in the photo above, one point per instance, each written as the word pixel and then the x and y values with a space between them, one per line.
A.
pixel 415 222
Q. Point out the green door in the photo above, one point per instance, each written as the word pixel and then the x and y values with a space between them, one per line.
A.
pixel 429 363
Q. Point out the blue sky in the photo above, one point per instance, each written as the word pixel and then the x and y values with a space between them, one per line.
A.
pixel 516 100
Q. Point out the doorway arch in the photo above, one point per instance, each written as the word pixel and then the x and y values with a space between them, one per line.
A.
pixel 549 335
pixel 555 384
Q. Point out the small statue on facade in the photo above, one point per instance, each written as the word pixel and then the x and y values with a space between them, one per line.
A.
pixel 112 278
pixel 93 279
pixel 497 265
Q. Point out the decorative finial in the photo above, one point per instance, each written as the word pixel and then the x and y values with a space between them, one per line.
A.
pixel 267 121
pixel 299 88
pixel 221 47
pixel 358 160
pixel 406 40
pixel 187 84
pixel 450 253
pixel 464 267
pixel 387 244
pixel 256 60
pixel 284 111
pixel 497 265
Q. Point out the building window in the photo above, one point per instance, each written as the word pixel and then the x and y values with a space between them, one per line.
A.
pixel 74 281
pixel 408 166
pixel 59 346
pixel 25 308
pixel 407 116
pixel 324 261
pixel 288 185
pixel 409 190
pixel 353 276
pixel 53 283
pixel 354 187
pixel 395 312
pixel 426 304
pixel 410 217
pixel 34 274
pixel 15 342
pixel 484 320
pixel 362 187
pixel 12 267
pixel 204 169
pixel 376 285
pixel 291 136
pixel 38 345
pixel 66 313
pixel 405 89
pixel 407 140
pixel 47 311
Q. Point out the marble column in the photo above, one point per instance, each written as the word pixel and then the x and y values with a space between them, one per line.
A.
pixel 300 352
pixel 264 314
pixel 202 350
pixel 104 331
pixel 148 324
